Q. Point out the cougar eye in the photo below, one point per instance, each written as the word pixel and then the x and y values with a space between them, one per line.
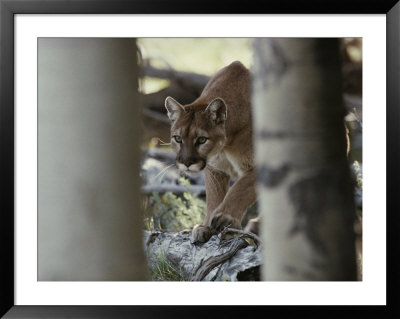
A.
pixel 201 139
pixel 178 139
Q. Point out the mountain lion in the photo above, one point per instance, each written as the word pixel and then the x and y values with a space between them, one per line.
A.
pixel 214 133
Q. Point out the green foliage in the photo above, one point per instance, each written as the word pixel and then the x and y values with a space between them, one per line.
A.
pixel 163 270
pixel 357 173
pixel 173 212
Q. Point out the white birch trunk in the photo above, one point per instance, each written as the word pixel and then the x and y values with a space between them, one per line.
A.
pixel 90 221
pixel 304 187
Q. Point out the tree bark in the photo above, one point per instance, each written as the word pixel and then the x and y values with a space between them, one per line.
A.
pixel 89 221
pixel 304 188
pixel 232 255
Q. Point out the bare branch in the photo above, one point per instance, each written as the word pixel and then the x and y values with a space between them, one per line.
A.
pixel 177 189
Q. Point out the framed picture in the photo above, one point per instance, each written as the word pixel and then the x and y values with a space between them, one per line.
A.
pixel 158 13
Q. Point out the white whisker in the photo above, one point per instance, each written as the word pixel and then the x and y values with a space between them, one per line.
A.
pixel 162 176
pixel 162 171
pixel 162 143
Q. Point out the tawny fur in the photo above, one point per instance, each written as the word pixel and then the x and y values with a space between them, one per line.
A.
pixel 222 114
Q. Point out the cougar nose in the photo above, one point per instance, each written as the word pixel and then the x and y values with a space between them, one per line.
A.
pixel 189 161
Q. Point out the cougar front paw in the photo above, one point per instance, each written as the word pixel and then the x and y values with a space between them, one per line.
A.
pixel 219 221
pixel 200 234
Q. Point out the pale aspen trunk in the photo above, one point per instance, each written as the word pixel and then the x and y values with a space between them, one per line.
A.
pixel 304 189
pixel 89 216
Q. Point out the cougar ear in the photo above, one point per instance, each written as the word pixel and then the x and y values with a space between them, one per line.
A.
pixel 217 111
pixel 173 107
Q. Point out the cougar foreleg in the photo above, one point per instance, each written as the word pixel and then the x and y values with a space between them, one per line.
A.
pixel 217 184
pixel 232 209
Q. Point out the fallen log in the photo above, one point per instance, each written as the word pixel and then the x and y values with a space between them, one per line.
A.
pixel 232 255
pixel 157 116
pixel 160 154
pixel 176 189
pixel 189 81
pixel 155 100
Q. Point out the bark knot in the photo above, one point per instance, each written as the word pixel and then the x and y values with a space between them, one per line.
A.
pixel 272 177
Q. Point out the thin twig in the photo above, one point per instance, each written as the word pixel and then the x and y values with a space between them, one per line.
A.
pixel 243 234
pixel 357 117
pixel 206 266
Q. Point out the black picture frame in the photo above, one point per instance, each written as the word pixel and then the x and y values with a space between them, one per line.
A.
pixel 8 8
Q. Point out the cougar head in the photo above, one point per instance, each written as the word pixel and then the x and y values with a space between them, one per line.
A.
pixel 197 132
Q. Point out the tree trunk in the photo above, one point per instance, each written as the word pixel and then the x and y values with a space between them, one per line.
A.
pixel 89 220
pixel 304 188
